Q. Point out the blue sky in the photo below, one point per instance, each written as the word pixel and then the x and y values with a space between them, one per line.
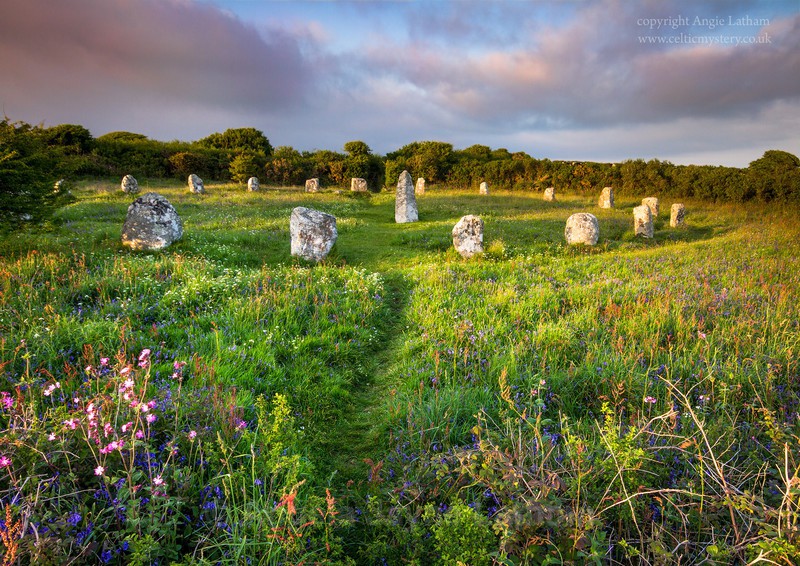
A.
pixel 711 82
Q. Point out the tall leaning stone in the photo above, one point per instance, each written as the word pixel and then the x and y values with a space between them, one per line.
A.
pixel 677 216
pixel 652 204
pixel 253 184
pixel 606 199
pixel 582 228
pixel 151 223
pixel 405 203
pixel 129 185
pixel 313 233
pixel 358 185
pixel 419 188
pixel 196 185
pixel 484 188
pixel 468 236
pixel 312 185
pixel 549 194
pixel 643 221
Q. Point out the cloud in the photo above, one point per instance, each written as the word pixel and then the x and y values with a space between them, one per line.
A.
pixel 90 54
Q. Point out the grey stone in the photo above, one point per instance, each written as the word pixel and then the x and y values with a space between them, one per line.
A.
pixel 484 190
pixel 468 236
pixel 196 184
pixel 358 185
pixel 652 204
pixel 606 198
pixel 129 185
pixel 550 194
pixel 253 185
pixel 419 188
pixel 405 203
pixel 643 221
pixel 151 224
pixel 312 185
pixel 677 216
pixel 582 228
pixel 313 233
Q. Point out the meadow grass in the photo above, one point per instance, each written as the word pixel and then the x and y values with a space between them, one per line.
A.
pixel 636 401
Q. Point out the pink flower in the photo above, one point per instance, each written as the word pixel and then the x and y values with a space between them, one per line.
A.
pixel 649 399
pixel 108 429
pixel 51 437
pixel 99 471
pixel 701 335
pixel 241 424
pixel 144 358
pixel 71 423
pixel 192 434
pixel 151 418
pixel 158 481
pixel 5 461
pixel 152 404
pixel 139 434
pixel 127 426
pixel 104 361
pixel 50 388
pixel 7 401
pixel 125 371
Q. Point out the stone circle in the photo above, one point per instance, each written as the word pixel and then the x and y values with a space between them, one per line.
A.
pixel 582 228
pixel 652 204
pixel 677 216
pixel 253 184
pixel 606 199
pixel 405 202
pixel 151 223
pixel 313 233
pixel 468 236
pixel 129 185
pixel 196 185
pixel 358 185
pixel 550 194
pixel 643 221
pixel 312 185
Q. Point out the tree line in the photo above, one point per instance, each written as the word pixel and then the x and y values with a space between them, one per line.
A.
pixel 33 157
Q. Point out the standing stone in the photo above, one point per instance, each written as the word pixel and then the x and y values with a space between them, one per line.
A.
pixel 151 223
pixel 484 190
pixel 196 184
pixel 405 203
pixel 468 236
pixel 129 185
pixel 313 233
pixel 606 198
pixel 419 188
pixel 312 185
pixel 582 228
pixel 652 204
pixel 677 216
pixel 550 194
pixel 253 184
pixel 358 185
pixel 643 221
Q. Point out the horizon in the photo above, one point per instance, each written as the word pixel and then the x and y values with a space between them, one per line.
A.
pixel 708 83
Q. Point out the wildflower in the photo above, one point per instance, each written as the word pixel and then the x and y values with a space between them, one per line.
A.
pixel 127 426
pixel 151 418
pixel 650 399
pixel 192 434
pixel 7 401
pixel 125 371
pixel 158 481
pixel 701 335
pixel 51 437
pixel 71 423
pixel 88 369
pixel 104 361
pixel 240 424
pixel 99 471
pixel 5 461
pixel 144 358
pixel 288 501
pixel 50 388
pixel 139 434
pixel 106 556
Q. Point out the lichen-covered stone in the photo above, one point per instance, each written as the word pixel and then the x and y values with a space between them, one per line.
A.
pixel 550 194
pixel 313 233
pixel 677 216
pixel 312 185
pixel 652 204
pixel 468 236
pixel 151 224
pixel 643 221
pixel 419 188
pixel 582 228
pixel 405 202
pixel 606 198
pixel 196 184
pixel 358 185
pixel 484 188
pixel 129 185
pixel 253 185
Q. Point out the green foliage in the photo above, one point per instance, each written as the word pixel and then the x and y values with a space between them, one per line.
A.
pixel 463 536
pixel 357 148
pixel 237 140
pixel 247 164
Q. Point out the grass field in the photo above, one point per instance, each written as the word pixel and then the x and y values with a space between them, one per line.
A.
pixel 223 403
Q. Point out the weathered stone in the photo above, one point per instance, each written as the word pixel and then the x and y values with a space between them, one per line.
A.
pixel 196 184
pixel 313 233
pixel 582 228
pixel 358 185
pixel 129 185
pixel 606 198
pixel 405 203
pixel 468 236
pixel 550 194
pixel 151 223
pixel 652 204
pixel 312 185
pixel 419 188
pixel 253 185
pixel 484 190
pixel 643 221
pixel 677 216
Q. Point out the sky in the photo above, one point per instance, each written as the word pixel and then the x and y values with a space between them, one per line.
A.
pixel 704 82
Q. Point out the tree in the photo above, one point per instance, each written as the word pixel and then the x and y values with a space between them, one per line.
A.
pixel 28 190
pixel 775 176
pixel 247 164
pixel 70 139
pixel 238 139
pixel 355 148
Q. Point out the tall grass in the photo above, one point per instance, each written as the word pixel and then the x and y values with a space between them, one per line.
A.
pixel 632 402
